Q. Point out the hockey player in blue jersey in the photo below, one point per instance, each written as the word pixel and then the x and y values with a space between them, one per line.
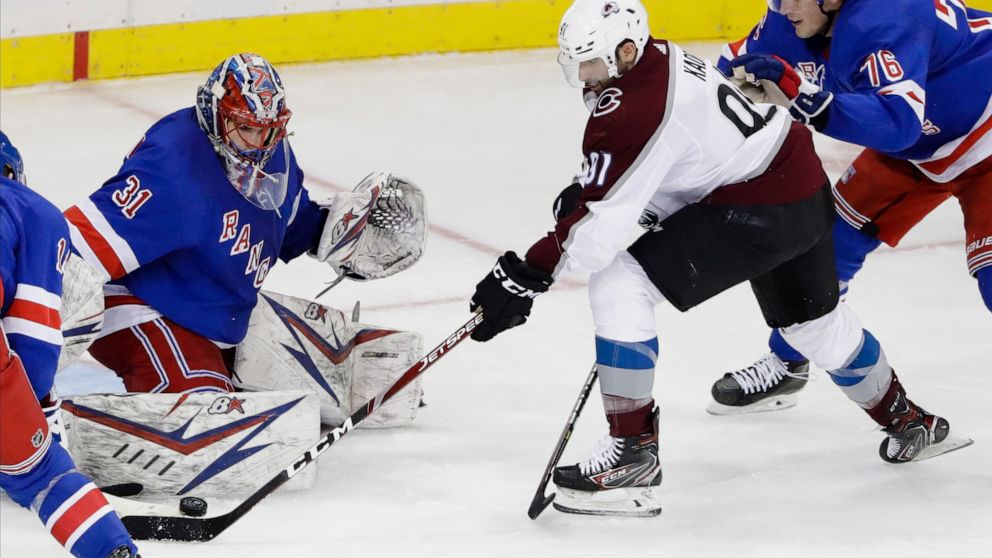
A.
pixel 911 82
pixel 188 228
pixel 36 471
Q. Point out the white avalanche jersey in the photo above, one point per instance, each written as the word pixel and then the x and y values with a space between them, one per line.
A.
pixel 671 132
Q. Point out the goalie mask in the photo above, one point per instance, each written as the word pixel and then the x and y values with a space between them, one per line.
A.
pixel 242 108
pixel 591 31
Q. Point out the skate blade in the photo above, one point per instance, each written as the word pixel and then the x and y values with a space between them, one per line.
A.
pixel 617 502
pixel 950 443
pixel 779 403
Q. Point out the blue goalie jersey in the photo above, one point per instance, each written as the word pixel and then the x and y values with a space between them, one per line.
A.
pixel 910 78
pixel 176 239
pixel 34 246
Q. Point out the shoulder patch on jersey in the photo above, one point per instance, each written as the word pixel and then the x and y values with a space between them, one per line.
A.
pixel 609 101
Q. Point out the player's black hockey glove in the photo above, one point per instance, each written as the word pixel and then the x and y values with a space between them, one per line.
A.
pixel 506 295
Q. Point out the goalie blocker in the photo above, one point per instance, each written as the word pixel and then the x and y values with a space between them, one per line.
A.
pixel 309 365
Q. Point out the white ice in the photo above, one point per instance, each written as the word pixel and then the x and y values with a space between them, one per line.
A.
pixel 492 138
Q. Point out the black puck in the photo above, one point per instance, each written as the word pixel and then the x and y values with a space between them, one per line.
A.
pixel 193 506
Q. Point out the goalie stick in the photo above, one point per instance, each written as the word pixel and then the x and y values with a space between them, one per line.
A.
pixel 542 501
pixel 163 522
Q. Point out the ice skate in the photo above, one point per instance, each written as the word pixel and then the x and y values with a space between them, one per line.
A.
pixel 913 433
pixel 620 478
pixel 770 384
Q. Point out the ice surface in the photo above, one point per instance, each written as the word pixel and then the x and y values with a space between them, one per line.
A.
pixel 492 138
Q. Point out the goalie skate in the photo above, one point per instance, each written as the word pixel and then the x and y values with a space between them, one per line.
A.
pixel 770 384
pixel 621 478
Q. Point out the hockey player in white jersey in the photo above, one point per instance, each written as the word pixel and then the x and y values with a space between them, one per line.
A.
pixel 729 191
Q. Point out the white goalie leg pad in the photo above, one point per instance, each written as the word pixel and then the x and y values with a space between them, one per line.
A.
pixel 82 309
pixel 375 231
pixel 380 357
pixel 294 343
pixel 192 444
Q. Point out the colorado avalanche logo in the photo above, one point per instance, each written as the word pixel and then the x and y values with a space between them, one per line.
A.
pixel 609 101
pixel 610 8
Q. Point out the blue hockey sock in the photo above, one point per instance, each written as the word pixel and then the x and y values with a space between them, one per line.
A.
pixel 851 246
pixel 77 514
pixel 70 506
pixel 984 277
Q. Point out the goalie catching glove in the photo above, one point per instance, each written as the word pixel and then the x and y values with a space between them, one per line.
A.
pixel 506 295
pixel 376 230
pixel 783 86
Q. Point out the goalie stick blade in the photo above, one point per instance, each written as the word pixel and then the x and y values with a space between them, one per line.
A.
pixel 539 504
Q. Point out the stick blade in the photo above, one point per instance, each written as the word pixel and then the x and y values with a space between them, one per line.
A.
pixel 540 503
pixel 177 529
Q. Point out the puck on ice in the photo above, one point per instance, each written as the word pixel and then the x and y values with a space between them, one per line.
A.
pixel 193 506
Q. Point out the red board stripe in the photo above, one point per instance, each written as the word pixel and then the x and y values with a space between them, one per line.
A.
pixel 81 55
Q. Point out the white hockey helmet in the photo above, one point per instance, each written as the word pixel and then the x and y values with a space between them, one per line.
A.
pixel 593 29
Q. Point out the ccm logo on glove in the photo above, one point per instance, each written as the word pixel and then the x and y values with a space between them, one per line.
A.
pixel 511 286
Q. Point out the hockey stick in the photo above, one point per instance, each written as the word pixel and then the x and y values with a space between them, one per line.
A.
pixel 158 522
pixel 541 500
